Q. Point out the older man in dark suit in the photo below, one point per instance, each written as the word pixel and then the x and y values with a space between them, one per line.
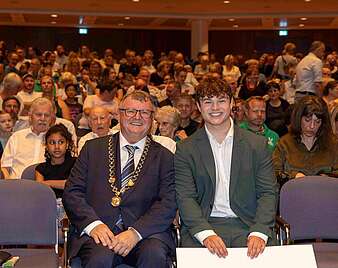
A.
pixel 226 190
pixel 120 195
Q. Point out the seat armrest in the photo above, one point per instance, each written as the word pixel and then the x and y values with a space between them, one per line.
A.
pixel 283 226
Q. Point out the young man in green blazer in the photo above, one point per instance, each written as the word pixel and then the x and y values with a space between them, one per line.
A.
pixel 225 184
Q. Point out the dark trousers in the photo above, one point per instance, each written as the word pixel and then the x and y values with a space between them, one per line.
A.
pixel 148 253
pixel 233 232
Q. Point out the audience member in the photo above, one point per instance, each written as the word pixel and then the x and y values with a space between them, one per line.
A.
pixel 11 105
pixel 74 107
pixel 310 148
pixel 252 85
pixel 48 92
pixel 180 77
pixel 99 121
pixel 277 110
pixel 168 120
pixel 11 85
pixel 25 147
pixel 285 61
pixel 255 115
pixel 334 117
pixel 309 72
pixel 230 69
pixel 238 111
pixel 184 104
pixel 6 127
pixel 59 160
pixel 330 93
pixel 27 95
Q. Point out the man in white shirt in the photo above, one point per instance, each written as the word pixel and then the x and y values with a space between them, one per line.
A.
pixel 226 189
pixel 309 72
pixel 99 121
pixel 120 195
pixel 27 95
pixel 26 147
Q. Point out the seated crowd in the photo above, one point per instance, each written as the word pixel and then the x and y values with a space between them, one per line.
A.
pixel 53 103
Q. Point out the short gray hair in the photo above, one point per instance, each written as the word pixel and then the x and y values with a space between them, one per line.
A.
pixel 42 101
pixel 170 111
pixel 12 81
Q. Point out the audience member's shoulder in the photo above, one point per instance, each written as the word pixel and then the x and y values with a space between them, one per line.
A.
pixel 250 137
pixel 190 141
pixel 98 141
pixel 20 133
pixel 165 142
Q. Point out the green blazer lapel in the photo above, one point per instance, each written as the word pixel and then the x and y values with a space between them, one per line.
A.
pixel 237 152
pixel 207 157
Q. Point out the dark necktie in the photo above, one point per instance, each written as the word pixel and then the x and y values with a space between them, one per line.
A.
pixel 125 176
pixel 129 167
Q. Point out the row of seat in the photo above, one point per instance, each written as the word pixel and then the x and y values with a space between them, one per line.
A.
pixel 308 206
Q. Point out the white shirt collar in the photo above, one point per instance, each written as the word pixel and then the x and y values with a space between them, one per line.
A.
pixel 110 132
pixel 31 133
pixel 229 135
pixel 140 144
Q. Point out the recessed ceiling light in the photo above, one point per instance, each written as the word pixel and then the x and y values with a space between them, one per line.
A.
pixel 127 18
pixel 235 26
pixel 53 22
pixel 301 25
pixel 231 19
pixel 54 15
pixel 303 18
pixel 226 2
pixel 307 0
pixel 136 1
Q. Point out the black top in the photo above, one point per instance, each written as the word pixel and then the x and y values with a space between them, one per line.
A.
pixel 156 79
pixel 56 172
pixel 277 118
pixel 260 90
pixel 129 69
pixel 191 128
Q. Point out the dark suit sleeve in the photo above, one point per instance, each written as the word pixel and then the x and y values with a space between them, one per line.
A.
pixel 161 214
pixel 186 192
pixel 266 192
pixel 80 213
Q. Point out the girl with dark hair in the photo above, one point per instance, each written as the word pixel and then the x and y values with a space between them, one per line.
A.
pixel 310 148
pixel 59 159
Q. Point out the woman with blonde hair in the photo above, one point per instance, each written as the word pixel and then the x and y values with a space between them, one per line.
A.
pixel 168 120
pixel 229 67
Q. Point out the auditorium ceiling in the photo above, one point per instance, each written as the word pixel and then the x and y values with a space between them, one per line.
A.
pixel 172 14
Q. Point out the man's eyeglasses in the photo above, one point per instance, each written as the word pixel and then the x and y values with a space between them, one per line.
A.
pixel 145 114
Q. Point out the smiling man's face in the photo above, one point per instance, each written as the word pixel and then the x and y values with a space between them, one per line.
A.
pixel 135 127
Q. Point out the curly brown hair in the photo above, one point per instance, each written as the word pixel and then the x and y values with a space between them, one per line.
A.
pixel 212 87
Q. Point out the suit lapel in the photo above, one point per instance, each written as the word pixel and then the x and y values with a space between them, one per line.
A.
pixel 206 155
pixel 237 151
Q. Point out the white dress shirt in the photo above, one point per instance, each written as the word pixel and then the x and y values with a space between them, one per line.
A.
pixel 24 148
pixel 222 153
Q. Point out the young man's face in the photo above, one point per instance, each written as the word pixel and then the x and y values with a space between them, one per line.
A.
pixel 215 110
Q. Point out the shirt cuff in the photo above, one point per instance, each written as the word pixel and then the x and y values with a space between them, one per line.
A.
pixel 138 234
pixel 260 235
pixel 90 227
pixel 200 236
